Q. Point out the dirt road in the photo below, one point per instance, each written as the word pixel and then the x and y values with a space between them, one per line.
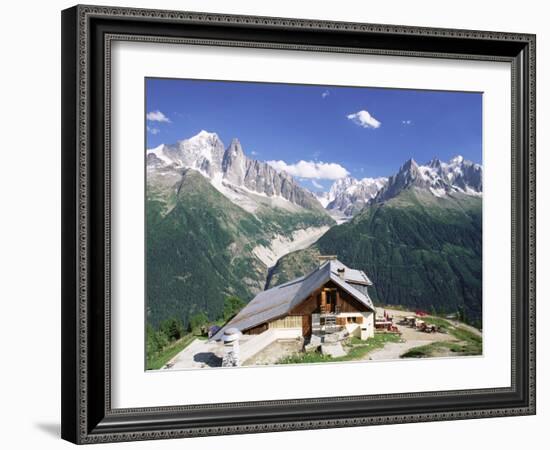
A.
pixel 393 350
pixel 199 353
pixel 410 336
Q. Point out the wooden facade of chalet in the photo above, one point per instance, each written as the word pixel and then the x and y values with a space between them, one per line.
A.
pixel 329 299
pixel 333 295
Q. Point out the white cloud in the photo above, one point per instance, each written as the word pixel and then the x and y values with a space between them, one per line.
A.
pixel 317 185
pixel 364 119
pixel 325 94
pixel 153 130
pixel 407 122
pixel 254 153
pixel 157 116
pixel 311 169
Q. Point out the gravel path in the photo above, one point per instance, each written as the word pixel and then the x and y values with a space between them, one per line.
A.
pixel 394 350
pixel 275 351
pixel 410 336
pixel 199 353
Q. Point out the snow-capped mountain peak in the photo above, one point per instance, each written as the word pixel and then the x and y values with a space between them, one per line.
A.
pixel 157 157
pixel 235 147
pixel 348 195
pixel 323 198
pixel 234 163
pixel 204 134
pixel 202 152
pixel 438 177
pixel 229 170
pixel 458 159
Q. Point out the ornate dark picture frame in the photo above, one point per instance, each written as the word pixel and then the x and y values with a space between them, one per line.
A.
pixel 87 34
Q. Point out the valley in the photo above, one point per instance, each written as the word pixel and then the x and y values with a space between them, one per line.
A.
pixel 222 224
pixel 216 223
pixel 419 239
pixel 282 245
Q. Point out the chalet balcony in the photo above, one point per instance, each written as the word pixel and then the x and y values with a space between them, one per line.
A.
pixel 325 321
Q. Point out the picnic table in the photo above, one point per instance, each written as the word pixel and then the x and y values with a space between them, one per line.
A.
pixel 427 327
pixel 383 324
pixel 386 325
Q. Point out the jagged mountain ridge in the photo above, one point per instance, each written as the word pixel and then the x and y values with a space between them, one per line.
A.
pixel 437 177
pixel 239 234
pixel 349 195
pixel 229 169
pixel 216 222
pixel 419 238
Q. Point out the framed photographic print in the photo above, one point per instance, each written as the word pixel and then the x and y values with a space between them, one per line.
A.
pixel 282 224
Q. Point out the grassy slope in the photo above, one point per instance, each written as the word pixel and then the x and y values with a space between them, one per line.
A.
pixel 199 247
pixel 467 343
pixel 421 251
pixel 294 265
pixel 159 360
pixel 193 256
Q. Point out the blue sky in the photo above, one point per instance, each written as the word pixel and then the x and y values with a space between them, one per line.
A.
pixel 332 129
